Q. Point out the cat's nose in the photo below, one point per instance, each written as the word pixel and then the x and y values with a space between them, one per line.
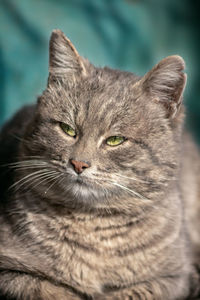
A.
pixel 79 166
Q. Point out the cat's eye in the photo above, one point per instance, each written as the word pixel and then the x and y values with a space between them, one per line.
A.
pixel 68 129
pixel 115 140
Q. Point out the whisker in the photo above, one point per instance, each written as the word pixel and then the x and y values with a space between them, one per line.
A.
pixel 26 167
pixel 57 177
pixel 27 162
pixel 33 179
pixel 30 157
pixel 131 178
pixel 119 185
pixel 24 164
pixel 119 175
pixel 45 178
pixel 31 176
pixel 130 191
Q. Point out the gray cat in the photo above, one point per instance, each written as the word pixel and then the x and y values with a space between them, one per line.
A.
pixel 100 186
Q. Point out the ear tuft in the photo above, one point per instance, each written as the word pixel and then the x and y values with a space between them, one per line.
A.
pixel 166 83
pixel 64 59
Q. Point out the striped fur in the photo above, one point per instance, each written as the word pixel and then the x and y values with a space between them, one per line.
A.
pixel 125 227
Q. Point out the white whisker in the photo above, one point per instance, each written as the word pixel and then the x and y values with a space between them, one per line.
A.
pixel 31 177
pixel 130 191
pixel 27 163
pixel 55 178
pixel 116 184
pixel 131 178
pixel 28 167
pixel 44 178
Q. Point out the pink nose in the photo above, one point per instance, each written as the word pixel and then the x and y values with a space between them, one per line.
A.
pixel 79 166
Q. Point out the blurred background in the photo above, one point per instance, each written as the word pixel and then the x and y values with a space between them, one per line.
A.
pixel 130 35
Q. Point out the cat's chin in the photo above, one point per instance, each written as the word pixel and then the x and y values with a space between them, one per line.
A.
pixel 87 193
pixel 83 189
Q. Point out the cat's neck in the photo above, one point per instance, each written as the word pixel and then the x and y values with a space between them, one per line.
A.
pixel 41 208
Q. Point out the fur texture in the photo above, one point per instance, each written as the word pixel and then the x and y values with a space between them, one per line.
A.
pixel 127 227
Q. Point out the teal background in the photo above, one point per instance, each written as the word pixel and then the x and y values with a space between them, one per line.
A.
pixel 130 35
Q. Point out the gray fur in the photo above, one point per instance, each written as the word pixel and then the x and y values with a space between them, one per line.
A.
pixel 125 227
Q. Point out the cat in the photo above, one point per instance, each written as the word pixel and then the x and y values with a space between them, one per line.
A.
pixel 99 194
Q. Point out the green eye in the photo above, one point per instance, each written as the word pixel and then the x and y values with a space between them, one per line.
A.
pixel 68 129
pixel 115 140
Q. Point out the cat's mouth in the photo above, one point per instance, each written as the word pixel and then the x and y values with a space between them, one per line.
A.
pixel 83 181
pixel 83 187
pixel 80 180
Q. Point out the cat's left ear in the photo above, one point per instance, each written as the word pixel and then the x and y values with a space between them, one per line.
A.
pixel 165 83
pixel 64 60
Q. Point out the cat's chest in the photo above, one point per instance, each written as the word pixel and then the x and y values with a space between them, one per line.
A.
pixel 88 257
pixel 91 266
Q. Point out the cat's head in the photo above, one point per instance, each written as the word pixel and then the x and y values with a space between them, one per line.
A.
pixel 103 137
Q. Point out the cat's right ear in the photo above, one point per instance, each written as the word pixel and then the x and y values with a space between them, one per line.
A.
pixel 64 60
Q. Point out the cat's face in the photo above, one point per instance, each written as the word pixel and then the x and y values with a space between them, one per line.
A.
pixel 106 138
